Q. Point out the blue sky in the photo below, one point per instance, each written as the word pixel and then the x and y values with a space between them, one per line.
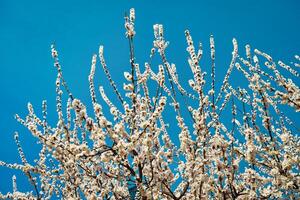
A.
pixel 27 29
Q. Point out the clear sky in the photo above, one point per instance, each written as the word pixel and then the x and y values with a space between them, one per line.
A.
pixel 27 29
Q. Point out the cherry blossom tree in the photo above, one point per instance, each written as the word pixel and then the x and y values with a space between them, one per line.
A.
pixel 253 155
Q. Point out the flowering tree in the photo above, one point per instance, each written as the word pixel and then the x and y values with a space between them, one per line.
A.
pixel 254 155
